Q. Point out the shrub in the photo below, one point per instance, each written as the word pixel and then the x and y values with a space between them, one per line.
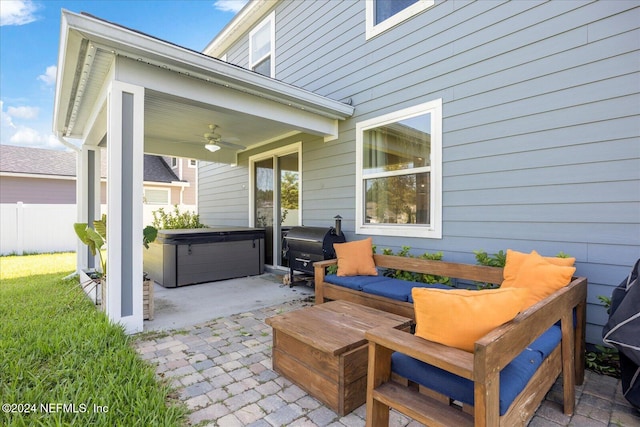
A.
pixel 495 260
pixel 176 219
pixel 604 360
pixel 412 276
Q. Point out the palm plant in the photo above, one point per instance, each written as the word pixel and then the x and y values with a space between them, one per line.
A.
pixel 96 238
pixel 93 238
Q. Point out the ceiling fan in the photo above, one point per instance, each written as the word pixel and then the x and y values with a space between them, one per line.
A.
pixel 215 141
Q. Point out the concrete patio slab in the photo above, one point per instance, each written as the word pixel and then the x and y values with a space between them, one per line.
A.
pixel 176 308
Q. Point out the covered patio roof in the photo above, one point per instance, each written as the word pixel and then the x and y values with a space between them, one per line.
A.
pixel 185 92
pixel 132 93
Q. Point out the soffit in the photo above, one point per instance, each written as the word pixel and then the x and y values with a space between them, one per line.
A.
pixel 182 121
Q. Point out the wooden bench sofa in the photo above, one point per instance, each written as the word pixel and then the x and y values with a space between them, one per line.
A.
pixel 479 373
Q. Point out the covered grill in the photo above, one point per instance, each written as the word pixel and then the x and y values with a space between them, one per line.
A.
pixel 306 245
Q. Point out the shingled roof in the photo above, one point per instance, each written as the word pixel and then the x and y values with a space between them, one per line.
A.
pixel 157 170
pixel 36 161
pixel 39 161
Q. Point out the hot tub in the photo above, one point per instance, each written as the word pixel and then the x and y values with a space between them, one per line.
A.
pixel 185 257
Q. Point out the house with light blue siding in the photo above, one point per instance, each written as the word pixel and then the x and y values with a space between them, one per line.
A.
pixel 476 126
pixel 446 126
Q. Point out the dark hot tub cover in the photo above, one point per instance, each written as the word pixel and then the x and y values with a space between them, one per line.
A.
pixel 623 332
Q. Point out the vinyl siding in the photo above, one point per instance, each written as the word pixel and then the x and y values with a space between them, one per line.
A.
pixel 223 195
pixel 541 123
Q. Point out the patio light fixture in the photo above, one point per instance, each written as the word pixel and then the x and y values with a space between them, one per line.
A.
pixel 212 147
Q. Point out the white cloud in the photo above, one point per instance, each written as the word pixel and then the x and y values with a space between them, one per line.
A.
pixel 49 76
pixel 5 118
pixel 230 5
pixel 26 136
pixel 17 12
pixel 16 134
pixel 23 112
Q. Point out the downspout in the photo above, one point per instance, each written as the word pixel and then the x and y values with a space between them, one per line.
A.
pixel 183 185
pixel 66 143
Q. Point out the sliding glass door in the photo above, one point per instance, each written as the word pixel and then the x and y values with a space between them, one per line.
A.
pixel 276 197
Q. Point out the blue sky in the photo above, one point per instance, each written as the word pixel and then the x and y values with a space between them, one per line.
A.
pixel 29 36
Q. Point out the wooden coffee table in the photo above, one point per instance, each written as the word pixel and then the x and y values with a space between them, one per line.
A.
pixel 323 350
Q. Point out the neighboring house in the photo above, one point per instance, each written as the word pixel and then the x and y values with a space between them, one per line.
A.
pixel 33 175
pixel 185 170
pixel 45 182
pixel 445 126
pixel 165 184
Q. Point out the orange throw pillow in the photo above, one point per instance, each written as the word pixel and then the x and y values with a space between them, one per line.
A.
pixel 355 258
pixel 515 260
pixel 541 277
pixel 458 318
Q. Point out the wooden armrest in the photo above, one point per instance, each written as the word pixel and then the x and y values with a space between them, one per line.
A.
pixel 507 341
pixel 450 359
pixel 319 269
pixel 326 263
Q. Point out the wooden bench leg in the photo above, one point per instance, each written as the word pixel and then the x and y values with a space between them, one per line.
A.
pixel 580 333
pixel 568 365
pixel 379 372
pixel 318 280
pixel 487 401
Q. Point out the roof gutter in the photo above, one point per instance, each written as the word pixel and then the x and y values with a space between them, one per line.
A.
pixel 66 143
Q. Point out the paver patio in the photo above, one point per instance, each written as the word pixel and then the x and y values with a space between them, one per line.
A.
pixel 222 371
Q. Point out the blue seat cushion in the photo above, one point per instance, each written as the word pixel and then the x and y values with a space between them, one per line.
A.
pixel 397 289
pixel 548 341
pixel 513 378
pixel 353 282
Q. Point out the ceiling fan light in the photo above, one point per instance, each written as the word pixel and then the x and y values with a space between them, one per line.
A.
pixel 212 147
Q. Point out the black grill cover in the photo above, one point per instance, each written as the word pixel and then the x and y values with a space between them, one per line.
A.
pixel 306 245
pixel 623 332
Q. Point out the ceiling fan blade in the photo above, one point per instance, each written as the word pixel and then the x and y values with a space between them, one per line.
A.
pixel 231 145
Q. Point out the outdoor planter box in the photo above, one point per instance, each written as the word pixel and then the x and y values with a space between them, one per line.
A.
pixel 188 256
pixel 96 293
pixel 147 300
pixel 92 287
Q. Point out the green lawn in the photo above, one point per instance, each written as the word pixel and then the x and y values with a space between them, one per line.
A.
pixel 62 361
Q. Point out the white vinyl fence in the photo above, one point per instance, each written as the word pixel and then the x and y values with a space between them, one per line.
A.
pixel 27 228
pixel 35 228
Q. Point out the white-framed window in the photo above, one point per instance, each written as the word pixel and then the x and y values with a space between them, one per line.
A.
pixel 193 163
pixel 262 47
pixel 399 173
pixel 384 14
pixel 174 162
pixel 156 196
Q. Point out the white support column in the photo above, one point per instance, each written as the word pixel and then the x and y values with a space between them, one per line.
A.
pixel 125 144
pixel 87 198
